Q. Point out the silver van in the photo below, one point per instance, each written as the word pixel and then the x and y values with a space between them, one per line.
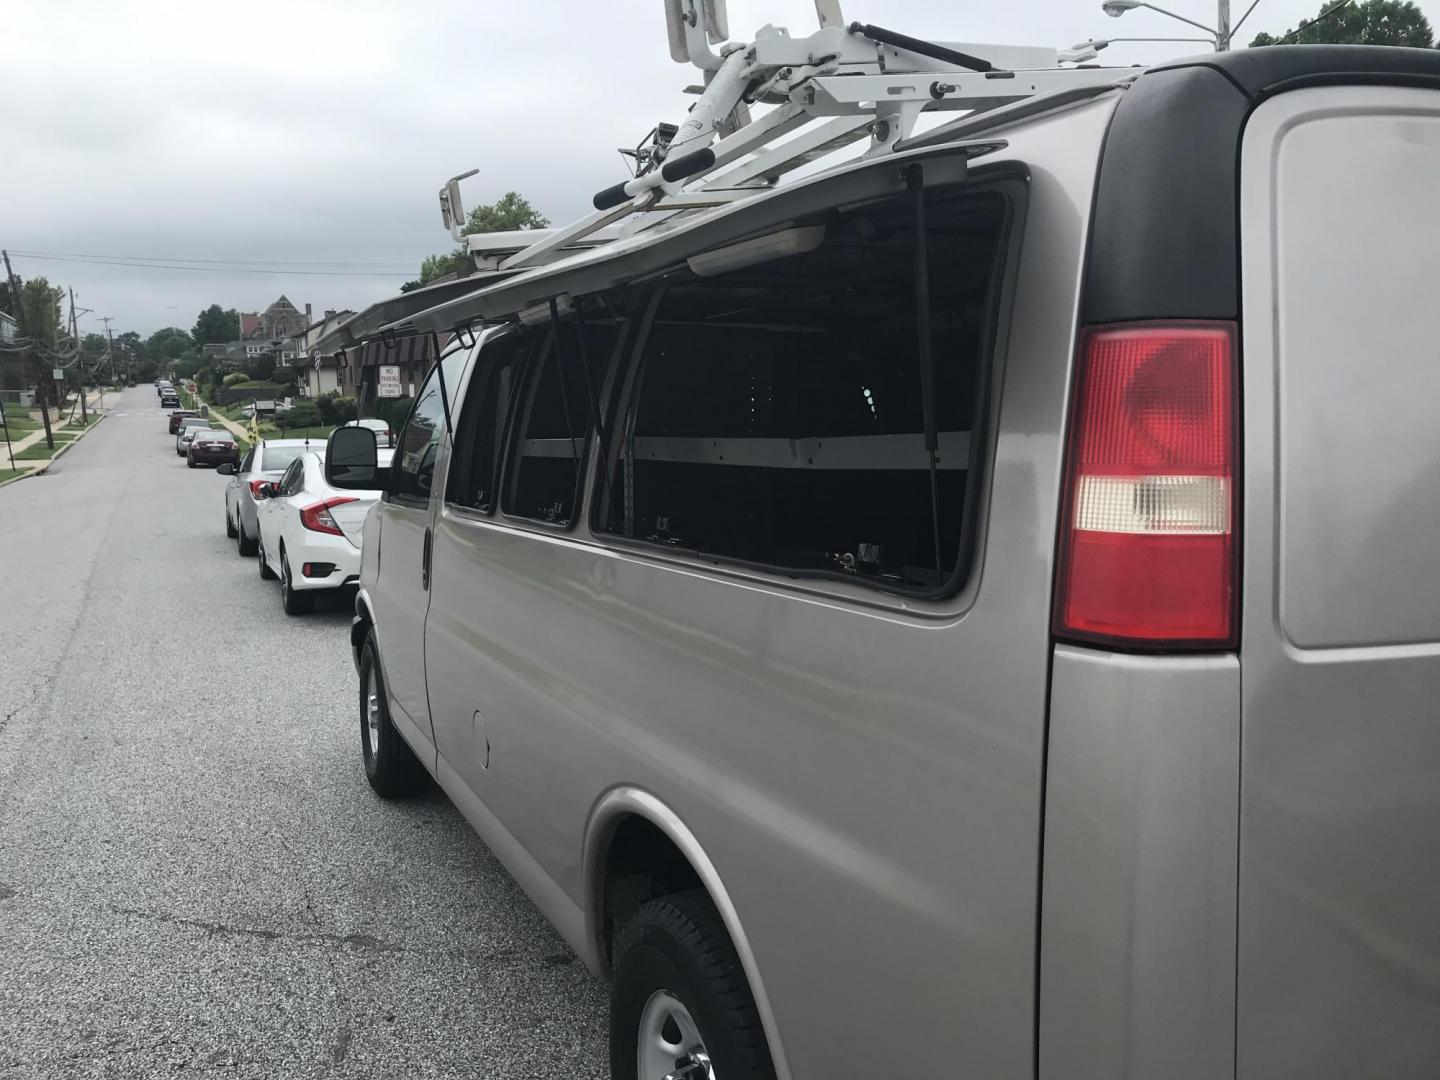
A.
pixel 969 612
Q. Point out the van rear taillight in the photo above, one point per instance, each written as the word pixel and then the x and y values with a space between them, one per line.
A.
pixel 1148 536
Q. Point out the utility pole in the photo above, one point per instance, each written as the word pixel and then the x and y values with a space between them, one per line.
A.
pixel 21 324
pixel 79 361
pixel 1222 26
pixel 110 347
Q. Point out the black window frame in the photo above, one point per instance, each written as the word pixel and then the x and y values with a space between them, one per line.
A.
pixel 462 457
pixel 530 375
pixel 1010 182
pixel 406 499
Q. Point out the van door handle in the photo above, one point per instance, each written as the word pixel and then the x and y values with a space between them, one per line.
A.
pixel 425 559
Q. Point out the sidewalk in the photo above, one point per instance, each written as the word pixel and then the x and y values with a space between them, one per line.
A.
pixel 238 430
pixel 36 437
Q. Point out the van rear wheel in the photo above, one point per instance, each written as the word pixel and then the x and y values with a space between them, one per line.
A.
pixel 390 765
pixel 680 1004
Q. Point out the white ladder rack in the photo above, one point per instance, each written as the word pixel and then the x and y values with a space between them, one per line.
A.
pixel 839 86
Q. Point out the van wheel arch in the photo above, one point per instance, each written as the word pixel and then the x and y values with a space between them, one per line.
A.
pixel 638 849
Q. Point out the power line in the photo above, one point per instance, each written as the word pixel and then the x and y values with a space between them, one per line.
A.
pixel 221 269
pixel 224 262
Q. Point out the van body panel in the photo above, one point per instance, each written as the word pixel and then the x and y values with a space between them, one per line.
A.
pixel 1137 970
pixel 886 752
pixel 1339 939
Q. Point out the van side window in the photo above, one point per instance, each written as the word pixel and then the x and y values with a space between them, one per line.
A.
pixel 476 472
pixel 414 464
pixel 547 459
pixel 777 413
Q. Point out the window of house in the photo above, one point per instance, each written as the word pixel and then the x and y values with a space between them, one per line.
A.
pixel 560 397
pixel 777 411
pixel 476 473
pixel 413 468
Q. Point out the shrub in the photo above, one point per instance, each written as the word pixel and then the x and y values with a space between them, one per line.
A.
pixel 237 377
pixel 393 410
pixel 335 410
pixel 301 414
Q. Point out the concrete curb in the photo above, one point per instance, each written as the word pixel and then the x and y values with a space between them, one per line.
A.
pixel 59 452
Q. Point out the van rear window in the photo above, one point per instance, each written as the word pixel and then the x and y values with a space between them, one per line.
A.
pixel 776 415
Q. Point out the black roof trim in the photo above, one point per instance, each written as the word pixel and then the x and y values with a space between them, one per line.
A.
pixel 1258 72
pixel 1164 240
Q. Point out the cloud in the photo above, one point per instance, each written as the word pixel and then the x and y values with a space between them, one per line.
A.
pixel 307 130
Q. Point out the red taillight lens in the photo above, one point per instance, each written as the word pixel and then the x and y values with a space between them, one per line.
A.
pixel 256 485
pixel 1147 539
pixel 317 517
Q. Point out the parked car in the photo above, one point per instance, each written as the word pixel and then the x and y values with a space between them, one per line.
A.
pixel 310 533
pixel 161 386
pixel 905 578
pixel 187 431
pixel 179 415
pixel 265 461
pixel 213 446
pixel 169 400
pixel 383 435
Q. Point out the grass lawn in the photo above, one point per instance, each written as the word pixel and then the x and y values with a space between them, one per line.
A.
pixel 319 432
pixel 38 452
pixel 7 473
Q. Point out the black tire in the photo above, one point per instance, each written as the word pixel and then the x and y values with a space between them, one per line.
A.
pixel 230 531
pixel 292 600
pixel 678 944
pixel 266 574
pixel 245 545
pixel 390 765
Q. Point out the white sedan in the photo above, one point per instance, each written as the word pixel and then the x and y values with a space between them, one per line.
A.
pixel 310 533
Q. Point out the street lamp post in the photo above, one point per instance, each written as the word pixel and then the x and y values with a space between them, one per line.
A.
pixel 1221 34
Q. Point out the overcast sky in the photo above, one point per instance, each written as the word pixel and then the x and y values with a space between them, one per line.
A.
pixel 314 134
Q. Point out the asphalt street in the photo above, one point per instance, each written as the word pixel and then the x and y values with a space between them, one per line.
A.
pixel 195 878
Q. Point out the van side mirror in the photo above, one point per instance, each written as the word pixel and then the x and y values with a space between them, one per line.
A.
pixel 352 461
pixel 228 469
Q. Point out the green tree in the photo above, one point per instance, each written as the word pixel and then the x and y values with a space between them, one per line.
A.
pixel 169 343
pixel 509 213
pixel 5 302
pixel 39 315
pixel 216 325
pixel 92 348
pixel 1374 22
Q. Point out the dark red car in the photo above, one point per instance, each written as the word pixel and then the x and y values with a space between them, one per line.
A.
pixel 212 447
pixel 177 416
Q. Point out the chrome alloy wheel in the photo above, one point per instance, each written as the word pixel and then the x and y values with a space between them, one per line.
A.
pixel 669 1046
pixel 372 713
